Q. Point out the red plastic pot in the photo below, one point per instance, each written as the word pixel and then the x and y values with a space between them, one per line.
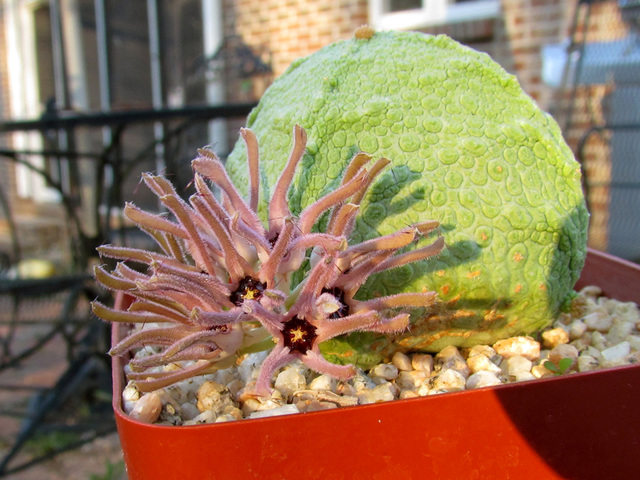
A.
pixel 582 426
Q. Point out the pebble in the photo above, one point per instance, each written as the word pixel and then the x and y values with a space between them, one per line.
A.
pixel 587 363
pixel 450 358
pixel 598 321
pixel 607 334
pixel 273 412
pixel 617 352
pixel 577 329
pixel 554 337
pixel 523 377
pixel 381 393
pixel 422 362
pixel 385 371
pixel 485 350
pixel 479 363
pixel 148 408
pixel 482 378
pixel 411 380
pixel 518 365
pixel 402 362
pixel 290 380
pixel 210 396
pixel 619 331
pixel 599 341
pixel 540 371
pixel 449 380
pixel 323 382
pixel 524 346
pixel 563 351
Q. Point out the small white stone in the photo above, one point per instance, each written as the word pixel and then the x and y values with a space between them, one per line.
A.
pixel 540 371
pixel 631 359
pixel 148 408
pixel 591 291
pixel 422 362
pixel 385 371
pixel 361 381
pixel 448 380
pixel 289 381
pixel 345 389
pixel 587 363
pixel 480 363
pixel 599 341
pixel 273 412
pixel 189 411
pixel 634 341
pixel 517 365
pixel 208 416
pixel 554 337
pixel 485 350
pixel 424 389
pixel 318 406
pixel 232 410
pixel 577 328
pixel 524 377
pixel 582 342
pixel 483 378
pixel 127 406
pixel 593 352
pixel 598 321
pixel 225 417
pixel 210 396
pixel 381 393
pixel 526 347
pixel 401 361
pixel 260 404
pixel 130 393
pixel 449 358
pixel 408 394
pixel 619 331
pixel 250 366
pixel 323 382
pixel 617 352
pixel 410 380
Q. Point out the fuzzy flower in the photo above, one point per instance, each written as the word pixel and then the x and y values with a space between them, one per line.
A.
pixel 221 283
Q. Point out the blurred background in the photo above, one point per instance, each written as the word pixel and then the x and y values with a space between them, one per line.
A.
pixel 94 92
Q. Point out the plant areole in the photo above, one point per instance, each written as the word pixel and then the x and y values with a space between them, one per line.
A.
pixel 468 147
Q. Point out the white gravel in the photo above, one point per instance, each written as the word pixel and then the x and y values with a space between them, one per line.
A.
pixel 606 333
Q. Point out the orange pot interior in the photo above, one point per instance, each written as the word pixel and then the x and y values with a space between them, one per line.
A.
pixel 582 426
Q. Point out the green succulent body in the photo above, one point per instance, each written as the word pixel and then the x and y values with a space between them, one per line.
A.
pixel 468 148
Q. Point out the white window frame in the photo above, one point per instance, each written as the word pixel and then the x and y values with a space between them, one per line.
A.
pixel 432 13
pixel 25 102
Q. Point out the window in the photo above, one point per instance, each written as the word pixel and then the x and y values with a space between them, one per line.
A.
pixel 411 14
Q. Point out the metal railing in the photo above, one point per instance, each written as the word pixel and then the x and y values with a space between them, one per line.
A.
pixel 84 336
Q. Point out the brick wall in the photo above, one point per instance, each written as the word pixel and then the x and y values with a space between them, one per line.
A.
pixel 296 28
pixel 291 29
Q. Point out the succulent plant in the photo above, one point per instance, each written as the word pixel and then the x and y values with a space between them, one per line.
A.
pixel 222 284
pixel 468 147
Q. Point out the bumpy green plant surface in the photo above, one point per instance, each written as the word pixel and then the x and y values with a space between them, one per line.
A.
pixel 468 148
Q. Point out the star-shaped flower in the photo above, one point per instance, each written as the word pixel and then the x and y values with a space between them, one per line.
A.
pixel 221 282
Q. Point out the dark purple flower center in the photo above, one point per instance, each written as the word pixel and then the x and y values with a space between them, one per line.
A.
pixel 248 289
pixel 343 311
pixel 299 335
